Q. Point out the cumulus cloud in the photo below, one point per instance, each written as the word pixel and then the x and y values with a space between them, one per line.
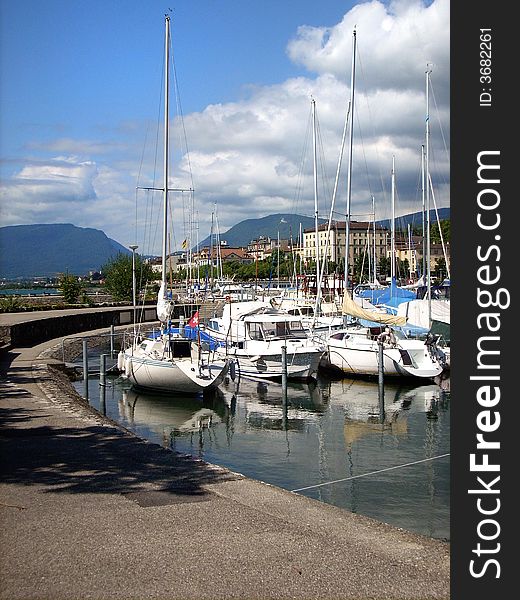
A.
pixel 51 189
pixel 253 157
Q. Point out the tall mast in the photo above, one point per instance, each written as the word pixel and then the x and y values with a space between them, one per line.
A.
pixel 423 273
pixel 166 148
pixel 427 167
pixel 410 252
pixel 374 240
pixel 349 173
pixel 315 171
pixel 392 231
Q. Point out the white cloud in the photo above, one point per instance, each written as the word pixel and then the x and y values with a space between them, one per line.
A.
pixel 52 189
pixel 248 156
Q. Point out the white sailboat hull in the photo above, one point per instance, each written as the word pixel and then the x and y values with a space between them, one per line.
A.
pixel 182 375
pixel 356 355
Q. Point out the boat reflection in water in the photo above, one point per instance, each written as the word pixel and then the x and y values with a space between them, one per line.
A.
pixel 264 405
pixel 160 416
pixel 367 411
pixel 329 440
pixel 395 460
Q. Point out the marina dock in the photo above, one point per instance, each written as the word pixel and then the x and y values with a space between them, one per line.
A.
pixel 89 510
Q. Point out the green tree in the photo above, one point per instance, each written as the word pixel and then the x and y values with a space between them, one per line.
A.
pixel 69 287
pixel 118 276
pixel 440 268
pixel 384 266
pixel 445 226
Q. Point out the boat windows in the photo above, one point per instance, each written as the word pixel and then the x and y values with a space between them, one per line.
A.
pixel 296 329
pixel 340 336
pixel 255 331
pixel 406 358
pixel 304 311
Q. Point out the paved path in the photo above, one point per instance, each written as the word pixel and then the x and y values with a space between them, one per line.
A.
pixel 88 510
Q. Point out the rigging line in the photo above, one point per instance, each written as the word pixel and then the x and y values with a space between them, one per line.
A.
pixel 298 191
pixel 371 120
pixel 149 220
pixel 322 161
pixel 139 175
pixel 333 200
pixel 439 119
pixel 188 226
pixel 416 462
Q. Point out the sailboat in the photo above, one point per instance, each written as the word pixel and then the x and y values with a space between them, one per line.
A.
pixel 355 349
pixel 170 362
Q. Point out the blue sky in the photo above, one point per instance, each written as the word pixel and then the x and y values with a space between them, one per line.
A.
pixel 80 99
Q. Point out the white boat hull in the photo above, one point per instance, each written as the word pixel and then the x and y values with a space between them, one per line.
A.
pixel 355 355
pixel 173 375
pixel 301 364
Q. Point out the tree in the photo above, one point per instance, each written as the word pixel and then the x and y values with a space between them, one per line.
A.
pixel 69 287
pixel 384 266
pixel 118 276
pixel 445 226
pixel 440 268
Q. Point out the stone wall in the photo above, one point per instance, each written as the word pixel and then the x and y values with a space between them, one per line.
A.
pixel 42 328
pixel 30 333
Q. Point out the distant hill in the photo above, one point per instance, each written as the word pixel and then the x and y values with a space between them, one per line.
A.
pixel 401 223
pixel 242 233
pixel 45 250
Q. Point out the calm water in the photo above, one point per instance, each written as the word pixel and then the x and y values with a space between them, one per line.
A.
pixel 331 431
pixel 29 292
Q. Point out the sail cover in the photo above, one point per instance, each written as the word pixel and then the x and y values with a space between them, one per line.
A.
pixel 354 310
pixel 163 305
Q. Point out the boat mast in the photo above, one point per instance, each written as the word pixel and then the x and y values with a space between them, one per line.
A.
pixel 427 168
pixel 349 173
pixel 315 171
pixel 392 230
pixel 166 148
pixel 374 236
pixel 423 273
pixel 410 252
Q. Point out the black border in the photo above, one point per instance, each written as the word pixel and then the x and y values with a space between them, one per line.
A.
pixel 474 129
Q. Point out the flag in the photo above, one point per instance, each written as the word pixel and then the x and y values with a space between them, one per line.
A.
pixel 194 321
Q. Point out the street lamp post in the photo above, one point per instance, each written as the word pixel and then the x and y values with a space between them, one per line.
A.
pixel 133 248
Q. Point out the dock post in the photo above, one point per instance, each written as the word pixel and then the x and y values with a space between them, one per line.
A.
pixel 85 367
pixel 284 371
pixel 102 401
pixel 102 369
pixel 111 341
pixel 381 381
pixel 284 387
pixel 284 368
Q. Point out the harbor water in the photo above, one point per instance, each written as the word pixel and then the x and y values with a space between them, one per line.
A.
pixel 331 440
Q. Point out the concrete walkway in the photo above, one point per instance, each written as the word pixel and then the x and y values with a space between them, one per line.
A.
pixel 88 510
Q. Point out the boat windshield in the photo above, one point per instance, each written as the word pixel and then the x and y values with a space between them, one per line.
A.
pixel 268 330
pixel 304 311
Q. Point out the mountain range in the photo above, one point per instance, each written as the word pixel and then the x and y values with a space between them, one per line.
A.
pixel 46 250
pixel 288 225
